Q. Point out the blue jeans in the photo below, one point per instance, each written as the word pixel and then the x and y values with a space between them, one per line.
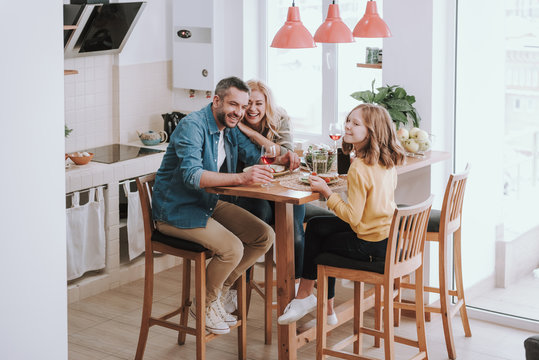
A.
pixel 265 211
pixel 333 235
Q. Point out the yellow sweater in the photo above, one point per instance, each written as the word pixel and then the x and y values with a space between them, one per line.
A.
pixel 371 200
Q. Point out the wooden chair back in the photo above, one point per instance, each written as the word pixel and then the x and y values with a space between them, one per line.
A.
pixel 145 191
pixel 450 215
pixel 406 240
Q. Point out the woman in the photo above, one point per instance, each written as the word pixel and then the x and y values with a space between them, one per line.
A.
pixel 266 124
pixel 361 227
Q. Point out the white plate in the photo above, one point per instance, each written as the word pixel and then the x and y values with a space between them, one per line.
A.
pixel 305 180
pixel 284 172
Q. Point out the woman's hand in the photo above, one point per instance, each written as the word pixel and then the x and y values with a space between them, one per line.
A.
pixel 291 159
pixel 244 128
pixel 319 185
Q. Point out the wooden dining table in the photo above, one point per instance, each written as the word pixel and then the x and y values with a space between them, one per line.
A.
pixel 288 340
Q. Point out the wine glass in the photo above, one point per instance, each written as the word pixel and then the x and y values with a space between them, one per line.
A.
pixel 335 132
pixel 268 155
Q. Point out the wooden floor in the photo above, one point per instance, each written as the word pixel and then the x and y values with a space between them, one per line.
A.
pixel 106 326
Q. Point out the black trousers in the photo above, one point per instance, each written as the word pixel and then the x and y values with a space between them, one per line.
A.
pixel 333 235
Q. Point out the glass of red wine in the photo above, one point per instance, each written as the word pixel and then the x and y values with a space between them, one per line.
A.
pixel 268 155
pixel 335 132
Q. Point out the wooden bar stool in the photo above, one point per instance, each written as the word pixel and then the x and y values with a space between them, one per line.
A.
pixel 404 255
pixel 269 282
pixel 266 294
pixel 188 251
pixel 442 224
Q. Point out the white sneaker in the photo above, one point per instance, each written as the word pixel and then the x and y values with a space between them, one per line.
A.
pixel 230 301
pixel 229 319
pixel 332 319
pixel 297 309
pixel 214 323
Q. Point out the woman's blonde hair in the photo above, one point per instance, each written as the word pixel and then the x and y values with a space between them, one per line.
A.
pixel 270 121
pixel 380 145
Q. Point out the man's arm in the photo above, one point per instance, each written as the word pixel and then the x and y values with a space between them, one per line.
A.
pixel 256 174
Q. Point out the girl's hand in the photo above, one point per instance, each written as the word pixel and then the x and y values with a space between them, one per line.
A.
pixel 319 185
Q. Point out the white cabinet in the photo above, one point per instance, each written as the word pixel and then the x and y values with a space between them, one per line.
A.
pixel 207 42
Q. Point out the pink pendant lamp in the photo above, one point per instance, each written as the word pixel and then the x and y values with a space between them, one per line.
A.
pixel 371 24
pixel 333 30
pixel 293 35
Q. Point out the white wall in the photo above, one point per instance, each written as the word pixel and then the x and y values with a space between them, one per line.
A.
pixel 32 213
pixel 151 37
pixel 420 57
pixel 238 37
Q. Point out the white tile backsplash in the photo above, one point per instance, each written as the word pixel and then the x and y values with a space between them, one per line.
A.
pixel 106 103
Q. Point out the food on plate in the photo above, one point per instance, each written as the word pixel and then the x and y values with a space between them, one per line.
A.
pixel 328 178
pixel 277 168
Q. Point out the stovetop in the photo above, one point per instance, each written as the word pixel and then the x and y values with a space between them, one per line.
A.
pixel 117 152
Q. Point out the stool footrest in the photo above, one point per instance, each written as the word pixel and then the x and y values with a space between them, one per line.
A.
pixel 344 342
pixel 171 325
pixel 455 308
pixel 346 355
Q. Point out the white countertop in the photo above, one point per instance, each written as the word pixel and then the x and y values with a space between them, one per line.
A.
pixel 79 177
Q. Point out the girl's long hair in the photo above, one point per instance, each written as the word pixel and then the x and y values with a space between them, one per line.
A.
pixel 270 121
pixel 381 145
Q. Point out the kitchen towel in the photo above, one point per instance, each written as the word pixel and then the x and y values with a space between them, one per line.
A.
pixel 85 234
pixel 135 222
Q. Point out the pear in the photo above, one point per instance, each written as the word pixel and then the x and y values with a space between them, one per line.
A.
pixel 424 145
pixel 411 145
pixel 413 132
pixel 421 135
pixel 402 134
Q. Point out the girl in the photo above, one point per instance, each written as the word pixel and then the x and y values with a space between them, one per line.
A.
pixel 361 227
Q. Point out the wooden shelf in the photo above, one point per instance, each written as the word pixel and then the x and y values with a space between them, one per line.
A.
pixel 370 66
pixel 70 72
pixel 70 27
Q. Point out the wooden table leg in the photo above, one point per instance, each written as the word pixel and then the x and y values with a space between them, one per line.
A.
pixel 284 246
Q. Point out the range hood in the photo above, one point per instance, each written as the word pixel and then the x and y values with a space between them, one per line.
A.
pixel 101 28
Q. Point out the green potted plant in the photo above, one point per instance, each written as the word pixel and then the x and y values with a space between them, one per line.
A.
pixel 67 131
pixel 395 99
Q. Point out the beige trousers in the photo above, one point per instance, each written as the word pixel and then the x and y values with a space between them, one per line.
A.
pixel 235 236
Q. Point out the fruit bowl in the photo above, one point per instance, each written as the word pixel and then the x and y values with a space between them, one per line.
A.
pixel 415 142
pixel 81 158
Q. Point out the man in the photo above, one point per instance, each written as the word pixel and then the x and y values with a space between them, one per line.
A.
pixel 203 152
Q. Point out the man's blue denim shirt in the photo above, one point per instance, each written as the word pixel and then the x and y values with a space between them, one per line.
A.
pixel 177 197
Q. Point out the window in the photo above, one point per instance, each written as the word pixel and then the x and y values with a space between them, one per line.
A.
pixel 314 85
pixel 500 223
pixel 295 75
